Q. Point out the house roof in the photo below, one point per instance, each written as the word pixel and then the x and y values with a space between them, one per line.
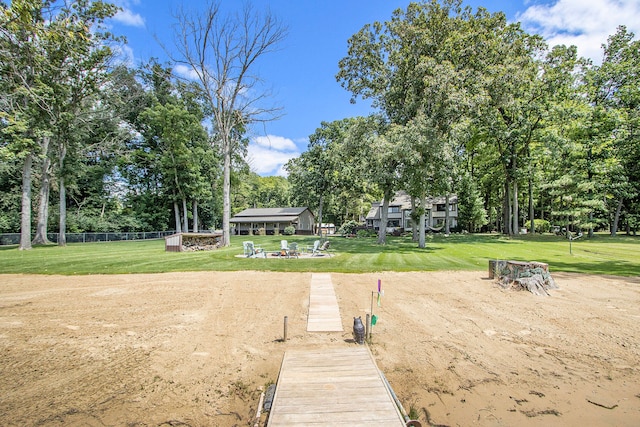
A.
pixel 269 215
pixel 374 212
pixel 248 219
pixel 270 211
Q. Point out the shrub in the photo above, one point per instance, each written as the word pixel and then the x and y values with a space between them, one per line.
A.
pixel 262 231
pixel 348 227
pixel 366 233
pixel 542 225
pixel 289 230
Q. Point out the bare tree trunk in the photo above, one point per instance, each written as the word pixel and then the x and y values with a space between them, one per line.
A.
pixel 532 226
pixel 25 220
pixel 320 212
pixel 516 226
pixel 185 217
pixel 447 228
pixel 423 213
pixel 506 210
pixel 62 233
pixel 195 216
pixel 384 215
pixel 43 200
pixel 616 218
pixel 43 212
pixel 226 195
pixel 415 227
pixel 176 214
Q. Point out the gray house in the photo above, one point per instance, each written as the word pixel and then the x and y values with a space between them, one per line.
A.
pixel 250 221
pixel 399 214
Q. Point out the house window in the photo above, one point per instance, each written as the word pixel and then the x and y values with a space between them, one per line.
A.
pixel 393 223
pixel 440 207
pixel 394 209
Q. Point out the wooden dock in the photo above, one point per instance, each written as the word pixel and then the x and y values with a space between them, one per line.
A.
pixel 332 387
pixel 324 313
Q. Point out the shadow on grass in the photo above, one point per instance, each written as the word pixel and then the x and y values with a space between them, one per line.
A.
pixel 616 268
pixel 407 245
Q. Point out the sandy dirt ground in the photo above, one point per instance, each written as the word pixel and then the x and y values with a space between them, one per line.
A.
pixel 194 349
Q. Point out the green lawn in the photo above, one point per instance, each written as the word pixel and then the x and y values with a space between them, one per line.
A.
pixel 600 255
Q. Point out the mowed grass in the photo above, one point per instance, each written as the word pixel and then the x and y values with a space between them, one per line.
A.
pixel 599 255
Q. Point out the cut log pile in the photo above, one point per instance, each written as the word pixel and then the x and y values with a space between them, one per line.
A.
pixel 517 275
pixel 200 242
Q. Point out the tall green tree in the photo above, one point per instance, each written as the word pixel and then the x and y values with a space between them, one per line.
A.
pixel 378 160
pixel 471 213
pixel 272 192
pixel 421 69
pixel 80 58
pixel 53 58
pixel 513 112
pixel 614 91
pixel 311 178
pixel 326 170
pixel 426 165
pixel 24 95
pixel 171 160
pixel 177 134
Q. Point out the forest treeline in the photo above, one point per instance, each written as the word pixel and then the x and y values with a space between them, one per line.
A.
pixel 466 103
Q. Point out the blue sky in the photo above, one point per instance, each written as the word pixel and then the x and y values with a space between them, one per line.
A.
pixel 302 73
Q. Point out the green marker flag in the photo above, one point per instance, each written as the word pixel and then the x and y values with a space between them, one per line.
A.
pixel 374 319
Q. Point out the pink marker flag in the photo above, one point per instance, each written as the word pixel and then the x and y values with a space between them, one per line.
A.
pixel 379 291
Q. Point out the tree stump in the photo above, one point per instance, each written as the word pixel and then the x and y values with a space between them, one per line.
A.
pixel 531 276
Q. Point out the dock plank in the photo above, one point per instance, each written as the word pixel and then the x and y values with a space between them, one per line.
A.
pixel 324 313
pixel 332 387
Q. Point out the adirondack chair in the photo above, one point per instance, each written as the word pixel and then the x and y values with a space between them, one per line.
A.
pixel 318 248
pixel 325 247
pixel 293 249
pixel 245 248
pixel 251 251
pixel 284 248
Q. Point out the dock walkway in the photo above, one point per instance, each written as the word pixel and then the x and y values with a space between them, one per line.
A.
pixel 332 387
pixel 324 313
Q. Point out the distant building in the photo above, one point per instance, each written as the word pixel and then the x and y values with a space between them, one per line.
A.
pixel 249 221
pixel 399 214
pixel 327 228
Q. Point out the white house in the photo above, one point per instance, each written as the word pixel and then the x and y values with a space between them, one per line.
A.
pixel 399 214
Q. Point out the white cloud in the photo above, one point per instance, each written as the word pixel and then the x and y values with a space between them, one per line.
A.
pixel 584 23
pixel 268 154
pixel 186 72
pixel 279 143
pixel 127 17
